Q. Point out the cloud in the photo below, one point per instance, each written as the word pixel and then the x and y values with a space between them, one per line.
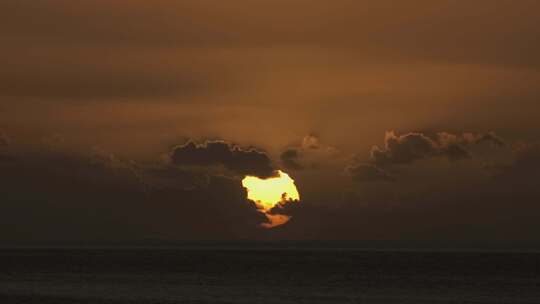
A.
pixel 289 208
pixel 171 177
pixel 525 169
pixel 289 159
pixel 368 173
pixel 407 148
pixel 240 161
pixel 490 137
pixel 59 196
pixel 403 149
pixel 310 142
pixel 413 146
pixel 310 153
pixel 500 207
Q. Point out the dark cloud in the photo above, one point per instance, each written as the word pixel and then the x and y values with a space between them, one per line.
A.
pixel 289 159
pixel 410 147
pixel 368 173
pixel 288 208
pixel 502 207
pixel 58 196
pixel 492 138
pixel 219 209
pixel 55 196
pixel 525 170
pixel 63 197
pixel 162 176
pixel 403 149
pixel 407 148
pixel 241 161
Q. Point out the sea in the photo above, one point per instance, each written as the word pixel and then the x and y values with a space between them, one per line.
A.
pixel 267 273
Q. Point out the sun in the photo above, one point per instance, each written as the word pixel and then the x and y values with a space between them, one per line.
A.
pixel 267 193
pixel 271 191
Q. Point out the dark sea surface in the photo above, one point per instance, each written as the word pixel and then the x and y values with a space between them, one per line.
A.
pixel 267 275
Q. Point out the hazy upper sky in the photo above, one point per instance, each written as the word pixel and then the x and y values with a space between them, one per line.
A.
pixel 97 99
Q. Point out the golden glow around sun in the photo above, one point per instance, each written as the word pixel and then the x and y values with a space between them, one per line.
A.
pixel 267 193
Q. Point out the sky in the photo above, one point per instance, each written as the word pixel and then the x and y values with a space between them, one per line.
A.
pixel 397 120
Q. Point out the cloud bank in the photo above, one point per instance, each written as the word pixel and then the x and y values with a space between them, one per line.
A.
pixel 240 161
pixel 410 147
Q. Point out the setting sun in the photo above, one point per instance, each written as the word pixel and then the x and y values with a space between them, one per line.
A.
pixel 267 193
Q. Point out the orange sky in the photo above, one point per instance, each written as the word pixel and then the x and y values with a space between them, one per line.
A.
pixel 124 83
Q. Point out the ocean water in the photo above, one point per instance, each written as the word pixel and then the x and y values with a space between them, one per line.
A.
pixel 244 275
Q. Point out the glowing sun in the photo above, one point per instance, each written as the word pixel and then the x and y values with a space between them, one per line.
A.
pixel 267 193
